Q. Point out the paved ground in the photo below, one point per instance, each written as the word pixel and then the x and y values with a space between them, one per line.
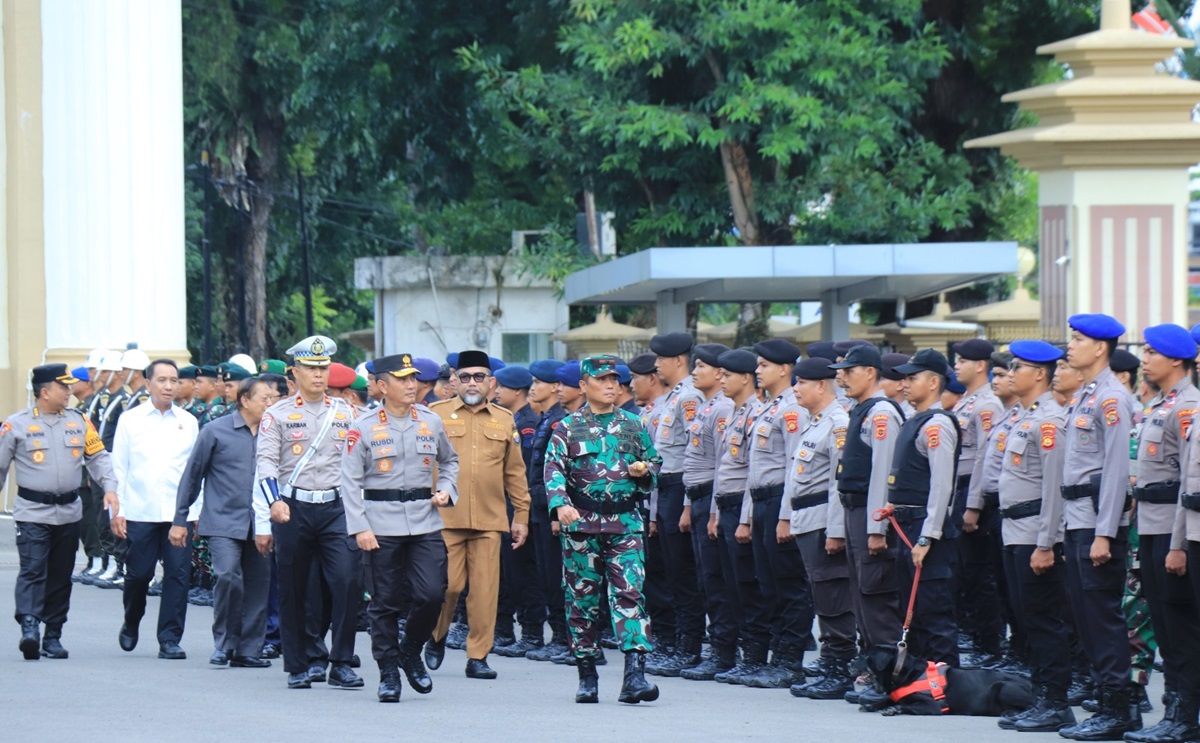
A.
pixel 106 694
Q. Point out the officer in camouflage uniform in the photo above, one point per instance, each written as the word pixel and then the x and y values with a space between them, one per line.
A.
pixel 599 466
pixel 216 407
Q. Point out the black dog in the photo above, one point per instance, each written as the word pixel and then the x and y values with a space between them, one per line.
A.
pixel 966 692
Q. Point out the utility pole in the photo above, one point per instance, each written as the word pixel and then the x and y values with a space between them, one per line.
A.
pixel 308 302
pixel 206 253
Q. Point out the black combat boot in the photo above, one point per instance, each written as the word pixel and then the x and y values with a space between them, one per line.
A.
pixel 414 670
pixel 51 645
pixel 29 637
pixel 389 681
pixel 636 688
pixel 1115 718
pixel 754 658
pixel 1050 713
pixel 531 639
pixel 558 645
pixel 589 680
pixel 786 666
pixel 1178 723
pixel 723 659
pixel 687 655
pixel 834 684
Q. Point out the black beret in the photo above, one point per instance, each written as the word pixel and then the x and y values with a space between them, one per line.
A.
pixel 777 351
pixel 841 348
pixel 471 359
pixel 976 349
pixel 1001 359
pixel 890 362
pixel 822 350
pixel 671 344
pixel 644 363
pixel 738 361
pixel 1123 361
pixel 814 369
pixel 709 352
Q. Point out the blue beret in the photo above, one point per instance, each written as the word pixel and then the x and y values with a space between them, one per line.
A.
pixel 927 359
pixel 777 351
pixel 955 386
pixel 371 366
pixel 452 360
pixel 568 374
pixel 1196 333
pixel 644 363
pixel 976 349
pixel 624 376
pixel 1039 352
pixel 514 377
pixel 496 363
pixel 738 361
pixel 81 374
pixel 1099 327
pixel 671 344
pixel 545 369
pixel 709 352
pixel 822 350
pixel 1170 340
pixel 427 369
pixel 814 369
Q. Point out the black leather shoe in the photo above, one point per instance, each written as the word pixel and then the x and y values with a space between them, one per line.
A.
pixel 414 671
pixel 246 661
pixel 355 661
pixel 171 651
pixel 127 637
pixel 341 674
pixel 219 658
pixel 299 680
pixel 435 653
pixel 270 651
pixel 479 669
pixel 316 673
pixel 30 639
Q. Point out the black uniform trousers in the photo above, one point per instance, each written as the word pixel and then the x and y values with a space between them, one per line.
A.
pixel 1039 610
pixel 1095 596
pixel 678 558
pixel 547 551
pixel 1189 679
pixel 781 574
pixel 874 584
pixel 829 576
pixel 47 556
pixel 660 600
pixel 520 588
pixel 110 544
pixel 148 545
pixel 1173 612
pixel 933 634
pixel 241 585
pixel 737 566
pixel 89 529
pixel 315 536
pixel 418 561
pixel 980 578
pixel 718 598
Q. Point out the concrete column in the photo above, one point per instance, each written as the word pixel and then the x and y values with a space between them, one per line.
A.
pixel 835 317
pixel 672 315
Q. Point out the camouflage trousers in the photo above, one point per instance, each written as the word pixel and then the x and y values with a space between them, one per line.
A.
pixel 1142 645
pixel 587 560
pixel 201 563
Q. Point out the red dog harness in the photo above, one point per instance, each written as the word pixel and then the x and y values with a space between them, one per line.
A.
pixel 934 683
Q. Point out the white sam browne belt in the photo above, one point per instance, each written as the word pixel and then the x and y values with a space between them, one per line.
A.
pixel 312 496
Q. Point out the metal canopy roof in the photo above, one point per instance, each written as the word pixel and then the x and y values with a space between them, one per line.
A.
pixel 790 273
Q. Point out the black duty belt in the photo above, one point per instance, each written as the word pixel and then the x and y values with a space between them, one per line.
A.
pixel 667 479
pixel 1190 501
pixel 1022 510
pixel 809 501
pixel 767 492
pixel 1159 492
pixel 910 513
pixel 1076 492
pixel 852 500
pixel 397 496
pixel 604 508
pixel 47 499
pixel 961 482
pixel 696 492
pixel 726 501
pixel 991 500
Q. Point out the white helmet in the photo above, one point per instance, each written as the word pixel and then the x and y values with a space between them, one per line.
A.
pixel 361 370
pixel 136 359
pixel 94 358
pixel 110 362
pixel 244 361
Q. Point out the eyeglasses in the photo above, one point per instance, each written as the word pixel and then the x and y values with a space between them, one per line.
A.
pixel 477 377
pixel 1014 365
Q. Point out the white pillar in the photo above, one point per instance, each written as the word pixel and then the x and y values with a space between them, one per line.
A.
pixel 835 317
pixel 672 315
pixel 113 175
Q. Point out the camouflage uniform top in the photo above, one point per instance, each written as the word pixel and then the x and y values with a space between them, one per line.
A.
pixel 197 408
pixel 590 455
pixel 216 409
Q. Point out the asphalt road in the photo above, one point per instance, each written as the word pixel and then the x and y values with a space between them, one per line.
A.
pixel 104 694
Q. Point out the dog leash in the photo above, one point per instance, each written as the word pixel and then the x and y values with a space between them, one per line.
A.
pixel 889 513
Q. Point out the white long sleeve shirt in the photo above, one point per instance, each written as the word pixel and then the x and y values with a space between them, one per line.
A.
pixel 150 451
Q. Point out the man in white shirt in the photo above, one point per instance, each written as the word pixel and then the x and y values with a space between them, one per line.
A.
pixel 150 450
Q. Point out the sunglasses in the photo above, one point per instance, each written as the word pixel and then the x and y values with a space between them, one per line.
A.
pixel 477 377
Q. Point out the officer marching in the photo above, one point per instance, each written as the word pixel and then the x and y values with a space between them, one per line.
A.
pixel 391 503
pixel 50 444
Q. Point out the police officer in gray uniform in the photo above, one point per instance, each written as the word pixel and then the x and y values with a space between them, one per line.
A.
pixel 699 468
pixel 921 490
pixel 1169 356
pixel 391 502
pixel 812 512
pixel 300 443
pixel 1184 561
pixel 50 444
pixel 781 574
pixel 1030 505
pixel 676 414
pixel 1095 482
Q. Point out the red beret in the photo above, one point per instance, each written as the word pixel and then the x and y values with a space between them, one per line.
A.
pixel 341 376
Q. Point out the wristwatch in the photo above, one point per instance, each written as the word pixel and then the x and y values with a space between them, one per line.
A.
pixel 924 542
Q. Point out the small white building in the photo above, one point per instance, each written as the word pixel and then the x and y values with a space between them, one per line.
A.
pixel 433 305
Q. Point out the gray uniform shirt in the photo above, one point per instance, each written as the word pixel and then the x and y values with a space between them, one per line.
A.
pixel 50 452
pixel 702 453
pixel 650 415
pixel 677 413
pixel 1187 521
pixel 1098 446
pixel 734 465
pixel 936 442
pixel 222 461
pixel 1031 469
pixel 1160 451
pixel 879 430
pixel 985 477
pixel 289 428
pixel 977 413
pixel 775 436
pixel 387 452
pixel 813 466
